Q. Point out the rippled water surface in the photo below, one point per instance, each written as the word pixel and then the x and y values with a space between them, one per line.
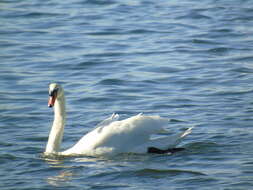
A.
pixel 190 61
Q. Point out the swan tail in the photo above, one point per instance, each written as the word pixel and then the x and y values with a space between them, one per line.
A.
pixel 187 132
pixel 181 136
pixel 168 144
pixel 170 141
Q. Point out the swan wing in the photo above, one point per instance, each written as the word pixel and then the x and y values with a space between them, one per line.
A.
pixel 106 122
pixel 119 136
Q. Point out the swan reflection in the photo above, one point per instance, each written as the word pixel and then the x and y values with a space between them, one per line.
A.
pixel 61 178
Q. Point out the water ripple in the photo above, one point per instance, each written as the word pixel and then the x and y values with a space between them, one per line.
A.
pixel 190 62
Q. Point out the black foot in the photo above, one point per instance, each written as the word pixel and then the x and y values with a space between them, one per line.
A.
pixel 160 151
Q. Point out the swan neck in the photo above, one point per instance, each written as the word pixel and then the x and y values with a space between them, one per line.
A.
pixel 59 108
pixel 56 133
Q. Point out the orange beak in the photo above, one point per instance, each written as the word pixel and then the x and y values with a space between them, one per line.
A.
pixel 51 101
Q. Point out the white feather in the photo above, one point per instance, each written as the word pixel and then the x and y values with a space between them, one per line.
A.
pixel 119 136
pixel 111 136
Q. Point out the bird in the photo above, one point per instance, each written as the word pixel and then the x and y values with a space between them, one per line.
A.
pixel 111 136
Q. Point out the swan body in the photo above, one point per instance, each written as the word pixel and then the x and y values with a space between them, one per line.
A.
pixel 111 136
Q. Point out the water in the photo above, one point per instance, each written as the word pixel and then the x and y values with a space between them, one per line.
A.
pixel 185 60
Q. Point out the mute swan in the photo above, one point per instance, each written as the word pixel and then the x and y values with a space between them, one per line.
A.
pixel 111 136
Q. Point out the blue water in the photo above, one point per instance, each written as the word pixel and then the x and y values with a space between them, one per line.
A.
pixel 190 61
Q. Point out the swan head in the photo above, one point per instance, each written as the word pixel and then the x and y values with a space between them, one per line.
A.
pixel 55 92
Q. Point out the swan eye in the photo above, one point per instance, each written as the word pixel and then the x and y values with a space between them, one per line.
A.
pixel 53 92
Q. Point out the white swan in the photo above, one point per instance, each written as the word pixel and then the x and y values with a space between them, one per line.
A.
pixel 110 136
